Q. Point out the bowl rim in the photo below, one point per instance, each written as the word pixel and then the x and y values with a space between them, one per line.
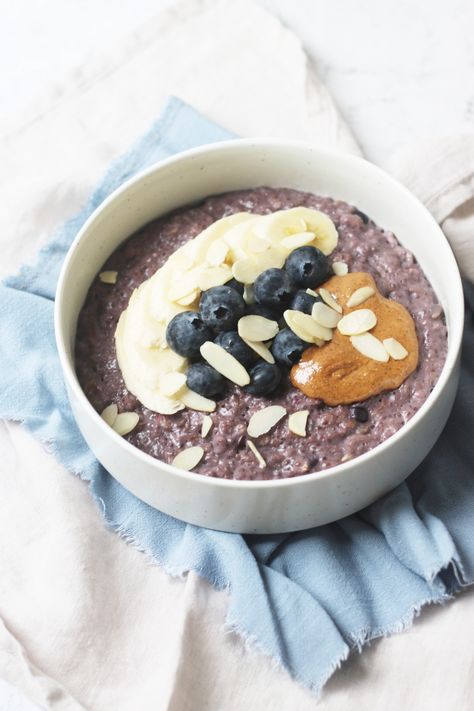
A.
pixel 455 330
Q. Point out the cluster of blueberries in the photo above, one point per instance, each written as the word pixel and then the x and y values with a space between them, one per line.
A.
pixel 220 309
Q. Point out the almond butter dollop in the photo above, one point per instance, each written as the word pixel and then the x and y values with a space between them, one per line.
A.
pixel 336 372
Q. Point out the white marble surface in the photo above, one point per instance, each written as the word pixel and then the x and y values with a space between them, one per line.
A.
pixel 400 71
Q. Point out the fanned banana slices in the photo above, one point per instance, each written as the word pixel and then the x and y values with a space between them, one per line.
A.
pixel 240 246
pixel 297 227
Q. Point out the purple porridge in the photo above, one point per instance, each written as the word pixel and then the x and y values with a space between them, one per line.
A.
pixel 334 434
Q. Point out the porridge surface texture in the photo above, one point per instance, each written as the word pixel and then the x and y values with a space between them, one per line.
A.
pixel 333 433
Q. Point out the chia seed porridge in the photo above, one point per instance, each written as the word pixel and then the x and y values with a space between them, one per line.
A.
pixel 334 434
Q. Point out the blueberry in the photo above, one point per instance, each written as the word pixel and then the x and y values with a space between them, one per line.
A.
pixel 359 413
pixel 361 214
pixel 221 307
pixel 186 333
pixel 261 310
pixel 287 347
pixel 237 285
pixel 203 379
pixel 233 344
pixel 273 288
pixel 303 302
pixel 264 378
pixel 307 267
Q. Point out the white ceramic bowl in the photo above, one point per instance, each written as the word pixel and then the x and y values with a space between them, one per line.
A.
pixel 286 504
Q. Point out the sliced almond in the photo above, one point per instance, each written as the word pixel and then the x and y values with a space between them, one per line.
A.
pixel 300 239
pixel 109 414
pixel 329 299
pixel 248 294
pixel 162 404
pixel 214 276
pixel 271 258
pixel 188 458
pixel 395 349
pixel 183 288
pixel 257 328
pixel 311 292
pixel 172 383
pixel 257 244
pixel 246 270
pixel 325 315
pixel 206 425
pixel 183 258
pixel 306 327
pixel 109 277
pixel 237 237
pixel 261 462
pixel 277 225
pixel 217 253
pixel 356 322
pixel 224 363
pixel 346 457
pixel 360 295
pixel 189 298
pixel 370 346
pixel 125 422
pixel 194 401
pixel 340 268
pixel 283 223
pixel 297 422
pixel 262 350
pixel 264 420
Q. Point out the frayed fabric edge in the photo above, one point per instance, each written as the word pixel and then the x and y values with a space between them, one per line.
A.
pixel 253 645
pixel 355 642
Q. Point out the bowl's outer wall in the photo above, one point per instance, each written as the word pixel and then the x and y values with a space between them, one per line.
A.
pixel 259 510
pixel 310 500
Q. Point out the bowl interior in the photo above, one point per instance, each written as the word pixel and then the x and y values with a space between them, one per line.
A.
pixel 240 164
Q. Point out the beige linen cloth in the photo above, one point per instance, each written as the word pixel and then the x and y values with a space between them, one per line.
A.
pixel 85 621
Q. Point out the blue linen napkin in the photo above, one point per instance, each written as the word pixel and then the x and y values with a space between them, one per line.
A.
pixel 306 599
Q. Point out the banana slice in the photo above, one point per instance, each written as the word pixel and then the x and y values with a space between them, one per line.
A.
pixel 246 270
pixel 144 368
pixel 282 224
pixel 241 246
pixel 217 253
pixel 199 246
pixel 239 238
